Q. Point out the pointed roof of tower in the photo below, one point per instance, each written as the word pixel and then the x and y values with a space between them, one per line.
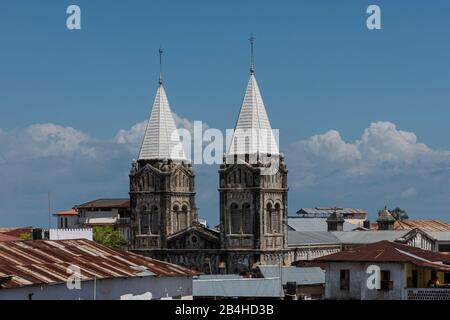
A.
pixel 161 139
pixel 253 122
pixel 253 133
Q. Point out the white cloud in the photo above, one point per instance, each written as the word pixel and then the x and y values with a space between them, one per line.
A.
pixel 409 193
pixel 376 169
pixel 381 146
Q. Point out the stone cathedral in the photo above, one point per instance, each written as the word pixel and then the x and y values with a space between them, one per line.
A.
pixel 252 186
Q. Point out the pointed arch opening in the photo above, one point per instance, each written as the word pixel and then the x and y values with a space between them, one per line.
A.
pixel 235 219
pixel 144 221
pixel 248 218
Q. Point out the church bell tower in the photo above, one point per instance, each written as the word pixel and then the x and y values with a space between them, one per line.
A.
pixel 162 189
pixel 253 187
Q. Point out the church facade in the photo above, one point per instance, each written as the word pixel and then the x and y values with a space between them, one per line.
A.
pixel 253 191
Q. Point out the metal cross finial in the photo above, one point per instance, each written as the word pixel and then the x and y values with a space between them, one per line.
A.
pixel 160 67
pixel 252 66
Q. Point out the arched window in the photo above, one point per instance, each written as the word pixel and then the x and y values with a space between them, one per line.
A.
pixel 176 209
pixel 182 218
pixel 154 220
pixel 248 219
pixel 276 219
pixel 151 182
pixel 269 210
pixel 235 219
pixel 144 221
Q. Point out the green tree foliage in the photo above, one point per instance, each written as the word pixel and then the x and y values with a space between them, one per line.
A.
pixel 26 236
pixel 399 214
pixel 109 237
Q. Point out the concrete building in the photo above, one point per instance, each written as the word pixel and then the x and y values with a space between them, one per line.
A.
pixel 67 219
pixel 40 270
pixel 405 273
pixel 309 281
pixel 98 213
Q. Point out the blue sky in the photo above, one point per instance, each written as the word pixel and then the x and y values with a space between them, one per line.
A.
pixel 362 114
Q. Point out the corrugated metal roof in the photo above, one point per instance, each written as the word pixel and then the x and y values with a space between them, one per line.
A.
pixel 297 238
pixel 106 203
pixel 238 288
pixel 425 225
pixel 303 276
pixel 366 237
pixel 386 251
pixel 45 262
pixel 6 237
pixel 314 224
pixel 325 211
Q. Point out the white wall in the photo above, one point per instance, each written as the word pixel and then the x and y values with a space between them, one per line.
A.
pixel 358 281
pixel 70 234
pixel 107 289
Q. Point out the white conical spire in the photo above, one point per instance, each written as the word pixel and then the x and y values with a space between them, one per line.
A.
pixel 161 139
pixel 253 133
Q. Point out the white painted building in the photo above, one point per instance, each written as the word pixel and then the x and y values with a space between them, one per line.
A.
pixel 406 273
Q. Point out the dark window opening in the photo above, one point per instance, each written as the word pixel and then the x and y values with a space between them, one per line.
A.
pixel 345 280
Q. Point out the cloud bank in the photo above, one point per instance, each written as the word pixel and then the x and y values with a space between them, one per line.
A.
pixel 384 166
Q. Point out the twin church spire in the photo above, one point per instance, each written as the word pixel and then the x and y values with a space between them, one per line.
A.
pixel 161 140
pixel 252 135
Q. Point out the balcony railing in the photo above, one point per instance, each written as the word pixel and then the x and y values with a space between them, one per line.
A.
pixel 427 294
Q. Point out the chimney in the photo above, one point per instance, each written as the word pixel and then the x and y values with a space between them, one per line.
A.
pixel 335 221
pixel 385 220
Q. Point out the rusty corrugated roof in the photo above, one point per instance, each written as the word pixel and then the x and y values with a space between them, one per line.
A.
pixel 45 262
pixel 6 237
pixel 386 251
pixel 16 231
pixel 424 225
